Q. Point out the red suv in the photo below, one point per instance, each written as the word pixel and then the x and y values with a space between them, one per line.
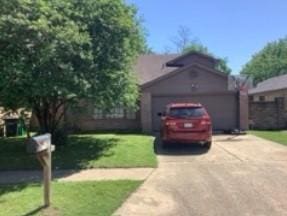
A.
pixel 186 123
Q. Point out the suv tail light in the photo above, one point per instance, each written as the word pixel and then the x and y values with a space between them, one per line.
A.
pixel 205 121
pixel 170 123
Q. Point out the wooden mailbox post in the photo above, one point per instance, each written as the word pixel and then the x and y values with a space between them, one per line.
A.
pixel 42 147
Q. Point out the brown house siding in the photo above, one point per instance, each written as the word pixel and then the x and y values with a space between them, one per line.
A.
pixel 89 123
pixel 183 82
pixel 243 111
pixel 146 112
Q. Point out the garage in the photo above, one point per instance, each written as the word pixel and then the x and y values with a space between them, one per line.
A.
pixel 194 79
pixel 221 107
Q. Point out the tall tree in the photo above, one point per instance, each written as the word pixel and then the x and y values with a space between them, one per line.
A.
pixel 184 43
pixel 54 53
pixel 183 39
pixel 269 62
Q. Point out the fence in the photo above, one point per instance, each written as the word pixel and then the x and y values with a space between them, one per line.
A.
pixel 268 114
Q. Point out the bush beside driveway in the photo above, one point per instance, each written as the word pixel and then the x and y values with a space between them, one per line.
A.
pixel 83 152
pixel 275 136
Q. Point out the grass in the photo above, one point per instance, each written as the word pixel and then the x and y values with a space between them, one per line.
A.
pixel 84 151
pixel 276 136
pixel 68 199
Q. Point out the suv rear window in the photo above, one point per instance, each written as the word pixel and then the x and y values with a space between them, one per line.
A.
pixel 186 112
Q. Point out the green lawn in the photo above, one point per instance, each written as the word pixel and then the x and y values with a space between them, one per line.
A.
pixel 84 151
pixel 84 198
pixel 276 136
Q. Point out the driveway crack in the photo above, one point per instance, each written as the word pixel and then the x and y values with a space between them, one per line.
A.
pixel 229 152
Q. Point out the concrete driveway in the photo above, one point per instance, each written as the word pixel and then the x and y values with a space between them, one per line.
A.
pixel 240 175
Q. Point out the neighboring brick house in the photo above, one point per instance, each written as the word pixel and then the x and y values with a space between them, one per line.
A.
pixel 268 104
pixel 9 114
pixel 164 79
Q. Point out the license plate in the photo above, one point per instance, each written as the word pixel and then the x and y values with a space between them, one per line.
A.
pixel 188 125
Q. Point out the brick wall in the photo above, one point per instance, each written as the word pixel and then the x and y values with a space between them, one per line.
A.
pixel 91 124
pixel 83 120
pixel 268 114
pixel 146 112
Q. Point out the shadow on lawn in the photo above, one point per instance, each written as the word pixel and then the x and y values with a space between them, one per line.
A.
pixel 81 151
pixel 14 156
pixel 14 144
pixel 35 211
pixel 9 188
pixel 6 189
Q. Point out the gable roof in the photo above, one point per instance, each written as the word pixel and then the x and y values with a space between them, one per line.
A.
pixel 174 62
pixel 152 66
pixel 181 69
pixel 272 84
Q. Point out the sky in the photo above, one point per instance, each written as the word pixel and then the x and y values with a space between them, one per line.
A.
pixel 229 28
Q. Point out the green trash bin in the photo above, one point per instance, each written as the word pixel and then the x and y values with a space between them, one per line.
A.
pixel 21 130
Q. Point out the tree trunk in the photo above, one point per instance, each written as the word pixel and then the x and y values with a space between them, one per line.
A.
pixel 49 119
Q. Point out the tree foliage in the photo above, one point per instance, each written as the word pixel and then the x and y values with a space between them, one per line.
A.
pixel 269 62
pixel 57 52
pixel 183 39
pixel 184 43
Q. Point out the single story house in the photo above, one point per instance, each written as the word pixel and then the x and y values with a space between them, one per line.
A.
pixel 163 79
pixel 268 104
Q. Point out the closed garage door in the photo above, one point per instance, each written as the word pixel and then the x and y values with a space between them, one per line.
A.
pixel 222 108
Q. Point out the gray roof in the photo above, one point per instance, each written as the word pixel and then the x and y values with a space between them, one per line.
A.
pixel 272 84
pixel 152 66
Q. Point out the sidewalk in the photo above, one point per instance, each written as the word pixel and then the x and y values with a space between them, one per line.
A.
pixel 12 177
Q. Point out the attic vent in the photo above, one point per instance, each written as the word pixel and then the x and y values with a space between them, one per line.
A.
pixel 194 87
pixel 193 74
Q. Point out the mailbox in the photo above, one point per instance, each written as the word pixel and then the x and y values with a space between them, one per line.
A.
pixel 42 148
pixel 39 143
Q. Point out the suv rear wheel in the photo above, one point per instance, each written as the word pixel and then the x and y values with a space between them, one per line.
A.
pixel 207 145
pixel 164 144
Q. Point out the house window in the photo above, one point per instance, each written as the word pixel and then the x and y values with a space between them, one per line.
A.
pixel 98 113
pixel 130 114
pixel 115 113
pixel 261 98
